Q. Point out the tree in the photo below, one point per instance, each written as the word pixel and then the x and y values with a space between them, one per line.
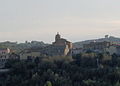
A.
pixel 89 82
pixel 117 84
pixel 48 83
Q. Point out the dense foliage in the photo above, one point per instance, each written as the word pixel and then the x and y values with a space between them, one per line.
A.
pixel 80 72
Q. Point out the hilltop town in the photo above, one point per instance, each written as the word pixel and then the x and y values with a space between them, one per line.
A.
pixel 61 63
pixel 61 47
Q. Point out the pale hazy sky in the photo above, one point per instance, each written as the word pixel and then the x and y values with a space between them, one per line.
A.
pixel 76 20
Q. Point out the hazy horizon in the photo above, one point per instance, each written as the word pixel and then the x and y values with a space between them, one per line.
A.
pixel 76 20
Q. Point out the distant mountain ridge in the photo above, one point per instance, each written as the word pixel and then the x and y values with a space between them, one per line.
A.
pixel 112 39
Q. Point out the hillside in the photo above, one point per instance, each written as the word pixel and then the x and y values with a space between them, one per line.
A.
pixel 21 46
pixel 112 39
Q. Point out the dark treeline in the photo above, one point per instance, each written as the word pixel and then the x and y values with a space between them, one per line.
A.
pixel 79 72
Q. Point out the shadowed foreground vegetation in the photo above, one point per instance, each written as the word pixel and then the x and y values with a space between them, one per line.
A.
pixel 79 72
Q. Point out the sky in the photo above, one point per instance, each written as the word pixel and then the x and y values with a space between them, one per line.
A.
pixel 75 20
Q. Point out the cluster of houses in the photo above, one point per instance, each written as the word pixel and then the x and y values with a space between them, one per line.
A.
pixel 61 47
pixel 5 55
pixel 99 47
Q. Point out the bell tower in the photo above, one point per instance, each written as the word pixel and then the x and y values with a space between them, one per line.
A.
pixel 57 37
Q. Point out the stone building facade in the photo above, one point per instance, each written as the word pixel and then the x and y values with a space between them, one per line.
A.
pixel 77 51
pixel 61 47
pixel 62 42
pixel 103 47
pixel 97 46
pixel 113 49
pixel 4 56
pixel 30 53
